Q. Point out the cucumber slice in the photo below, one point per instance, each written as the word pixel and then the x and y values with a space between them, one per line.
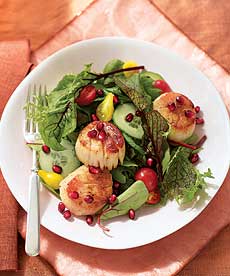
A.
pixel 66 159
pixel 133 128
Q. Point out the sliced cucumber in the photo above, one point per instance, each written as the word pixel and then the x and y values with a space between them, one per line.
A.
pixel 133 128
pixel 66 159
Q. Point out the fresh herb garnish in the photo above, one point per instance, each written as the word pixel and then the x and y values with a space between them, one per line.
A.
pixel 182 180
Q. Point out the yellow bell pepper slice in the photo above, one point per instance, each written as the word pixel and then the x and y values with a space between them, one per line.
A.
pixel 128 64
pixel 105 109
pixel 52 179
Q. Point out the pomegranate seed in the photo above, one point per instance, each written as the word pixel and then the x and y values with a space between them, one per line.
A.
pixel 73 195
pixel 57 169
pixel 115 99
pixel 102 135
pixel 138 113
pixel 112 198
pixel 149 162
pixel 61 207
pixel 94 117
pixel 199 121
pixel 88 199
pixel 89 219
pixel 194 158
pixel 92 133
pixel 46 149
pixel 94 170
pixel 131 214
pixel 100 92
pixel 129 117
pixel 100 126
pixel 171 106
pixel 180 99
pixel 116 192
pixel 197 109
pixel 116 185
pixel 67 214
pixel 188 113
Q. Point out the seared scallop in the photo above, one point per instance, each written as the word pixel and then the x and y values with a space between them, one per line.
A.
pixel 84 193
pixel 100 144
pixel 179 111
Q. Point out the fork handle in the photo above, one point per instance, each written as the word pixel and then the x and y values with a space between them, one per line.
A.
pixel 32 246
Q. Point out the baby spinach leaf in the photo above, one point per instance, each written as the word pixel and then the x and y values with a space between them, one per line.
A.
pixel 128 163
pixel 154 76
pixel 123 173
pixel 113 65
pixel 133 89
pixel 147 84
pixel 132 143
pixel 55 126
pixel 133 198
pixel 67 82
pixel 119 174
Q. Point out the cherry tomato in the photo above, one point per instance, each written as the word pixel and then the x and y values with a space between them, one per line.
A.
pixel 105 109
pixel 162 85
pixel 154 197
pixel 87 95
pixel 148 176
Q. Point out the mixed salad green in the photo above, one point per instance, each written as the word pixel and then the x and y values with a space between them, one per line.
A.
pixel 123 95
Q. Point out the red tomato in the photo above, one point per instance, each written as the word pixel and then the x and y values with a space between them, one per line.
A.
pixel 87 95
pixel 154 197
pixel 162 85
pixel 148 176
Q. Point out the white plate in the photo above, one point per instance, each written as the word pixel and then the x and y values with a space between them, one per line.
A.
pixel 151 224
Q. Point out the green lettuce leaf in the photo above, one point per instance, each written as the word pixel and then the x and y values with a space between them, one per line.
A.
pixel 147 84
pixel 60 117
pixel 182 180
pixel 113 65
pixel 133 89
pixel 156 128
pixel 57 126
pixel 133 144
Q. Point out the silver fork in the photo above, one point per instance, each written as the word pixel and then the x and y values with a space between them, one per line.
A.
pixel 31 134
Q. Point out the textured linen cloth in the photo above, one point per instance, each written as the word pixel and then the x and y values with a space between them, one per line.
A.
pixel 210 28
pixel 142 20
pixel 14 65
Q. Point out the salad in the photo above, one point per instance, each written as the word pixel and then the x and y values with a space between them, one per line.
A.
pixel 112 142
